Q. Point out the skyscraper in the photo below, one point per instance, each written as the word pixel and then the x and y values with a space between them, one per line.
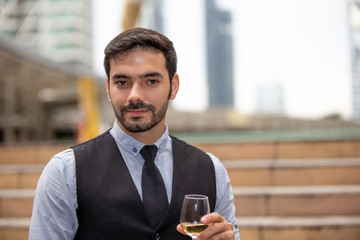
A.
pixel 59 30
pixel 219 56
pixel 354 21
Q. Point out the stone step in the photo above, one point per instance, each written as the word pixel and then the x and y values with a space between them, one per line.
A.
pixel 20 176
pixel 222 148
pixel 281 149
pixel 29 154
pixel 249 201
pixel 297 200
pixel 299 228
pixel 294 172
pixel 242 173
pixel 16 202
pixel 250 228
pixel 14 228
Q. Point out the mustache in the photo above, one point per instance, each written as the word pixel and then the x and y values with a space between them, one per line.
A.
pixel 137 105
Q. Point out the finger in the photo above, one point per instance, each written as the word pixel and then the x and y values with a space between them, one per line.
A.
pixel 180 230
pixel 219 230
pixel 212 218
pixel 219 227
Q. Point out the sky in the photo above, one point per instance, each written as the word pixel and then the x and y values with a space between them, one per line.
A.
pixel 301 46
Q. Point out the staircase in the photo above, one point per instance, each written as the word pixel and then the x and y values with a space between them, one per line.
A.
pixel 283 189
pixel 20 169
pixel 294 190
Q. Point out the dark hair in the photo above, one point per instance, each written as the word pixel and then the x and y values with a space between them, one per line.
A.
pixel 134 38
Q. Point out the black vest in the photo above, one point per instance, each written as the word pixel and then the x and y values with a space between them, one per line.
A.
pixel 109 205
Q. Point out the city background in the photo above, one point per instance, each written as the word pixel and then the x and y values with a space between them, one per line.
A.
pixel 283 45
pixel 271 87
pixel 242 64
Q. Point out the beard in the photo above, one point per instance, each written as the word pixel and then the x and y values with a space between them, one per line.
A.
pixel 137 124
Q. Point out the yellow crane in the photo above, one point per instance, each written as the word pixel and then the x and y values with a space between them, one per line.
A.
pixel 131 13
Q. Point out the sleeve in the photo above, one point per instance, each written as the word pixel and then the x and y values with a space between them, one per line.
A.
pixel 224 195
pixel 54 210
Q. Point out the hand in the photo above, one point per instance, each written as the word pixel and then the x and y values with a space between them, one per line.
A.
pixel 219 228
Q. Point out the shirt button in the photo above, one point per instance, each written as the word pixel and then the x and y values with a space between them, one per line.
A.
pixel 134 150
pixel 157 236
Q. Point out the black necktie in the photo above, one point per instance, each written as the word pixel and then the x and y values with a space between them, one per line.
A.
pixel 153 188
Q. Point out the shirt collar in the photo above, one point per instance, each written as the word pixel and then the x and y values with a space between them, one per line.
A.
pixel 132 145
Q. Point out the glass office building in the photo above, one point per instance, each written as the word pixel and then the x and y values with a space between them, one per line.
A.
pixel 58 29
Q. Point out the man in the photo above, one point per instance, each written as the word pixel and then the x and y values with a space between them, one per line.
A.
pixel 102 189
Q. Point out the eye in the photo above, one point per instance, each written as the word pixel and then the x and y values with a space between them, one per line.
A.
pixel 152 81
pixel 122 83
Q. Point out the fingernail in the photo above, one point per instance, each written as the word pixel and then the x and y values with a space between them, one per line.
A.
pixel 204 220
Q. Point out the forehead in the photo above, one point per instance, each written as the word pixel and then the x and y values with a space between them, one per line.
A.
pixel 139 62
pixel 139 54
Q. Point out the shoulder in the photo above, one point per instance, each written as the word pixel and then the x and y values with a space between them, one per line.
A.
pixel 217 163
pixel 61 167
pixel 90 142
pixel 219 167
pixel 61 160
pixel 186 146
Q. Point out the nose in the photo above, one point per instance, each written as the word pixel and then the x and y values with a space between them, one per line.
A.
pixel 136 93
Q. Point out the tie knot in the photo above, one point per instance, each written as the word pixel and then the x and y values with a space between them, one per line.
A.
pixel 148 152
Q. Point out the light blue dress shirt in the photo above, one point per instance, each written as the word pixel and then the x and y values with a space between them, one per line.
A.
pixel 54 211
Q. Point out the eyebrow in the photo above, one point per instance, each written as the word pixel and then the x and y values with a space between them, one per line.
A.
pixel 145 75
pixel 117 76
pixel 151 74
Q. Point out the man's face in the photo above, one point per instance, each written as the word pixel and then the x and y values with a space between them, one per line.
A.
pixel 138 89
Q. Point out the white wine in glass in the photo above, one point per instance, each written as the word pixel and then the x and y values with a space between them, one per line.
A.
pixel 193 209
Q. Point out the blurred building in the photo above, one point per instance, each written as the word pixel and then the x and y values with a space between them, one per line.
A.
pixel 152 14
pixel 270 100
pixel 354 21
pixel 46 82
pixel 219 56
pixel 40 99
pixel 59 30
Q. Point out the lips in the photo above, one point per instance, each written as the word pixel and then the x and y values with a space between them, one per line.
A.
pixel 137 112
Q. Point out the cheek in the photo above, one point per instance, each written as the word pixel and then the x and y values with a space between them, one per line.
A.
pixel 116 98
pixel 159 101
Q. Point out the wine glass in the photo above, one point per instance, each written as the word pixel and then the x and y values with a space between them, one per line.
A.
pixel 193 209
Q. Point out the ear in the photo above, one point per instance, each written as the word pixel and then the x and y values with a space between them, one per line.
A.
pixel 107 86
pixel 174 87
